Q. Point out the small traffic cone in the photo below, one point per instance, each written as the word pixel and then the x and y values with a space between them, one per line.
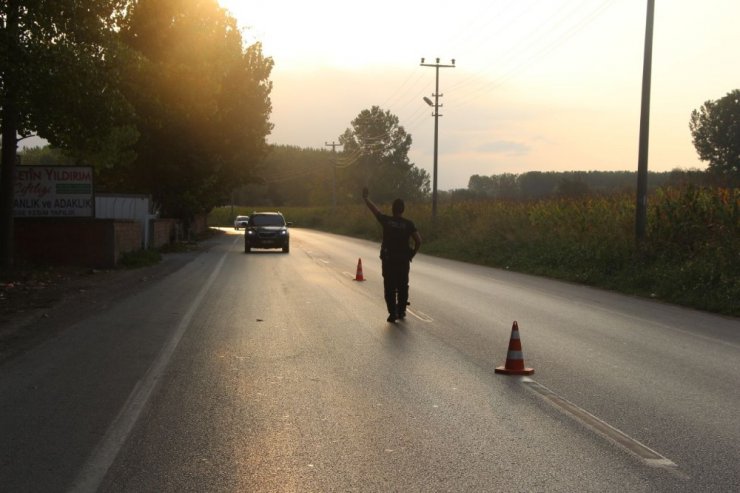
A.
pixel 514 357
pixel 359 276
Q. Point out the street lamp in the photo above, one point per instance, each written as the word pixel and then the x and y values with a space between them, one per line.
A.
pixel 436 115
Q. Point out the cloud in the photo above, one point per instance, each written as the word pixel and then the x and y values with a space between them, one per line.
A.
pixel 507 147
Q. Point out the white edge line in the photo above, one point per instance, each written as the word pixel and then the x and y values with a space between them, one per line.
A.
pixel 421 315
pixel 614 434
pixel 93 472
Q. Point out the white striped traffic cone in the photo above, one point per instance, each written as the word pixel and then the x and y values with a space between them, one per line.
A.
pixel 359 276
pixel 514 357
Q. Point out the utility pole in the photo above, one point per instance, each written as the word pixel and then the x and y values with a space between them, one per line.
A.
pixel 436 116
pixel 333 146
pixel 642 160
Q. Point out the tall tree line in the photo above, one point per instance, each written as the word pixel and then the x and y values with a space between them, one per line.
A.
pixel 202 105
pixel 162 96
pixel 372 152
pixel 537 184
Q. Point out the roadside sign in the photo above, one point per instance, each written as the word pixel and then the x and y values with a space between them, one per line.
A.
pixel 54 191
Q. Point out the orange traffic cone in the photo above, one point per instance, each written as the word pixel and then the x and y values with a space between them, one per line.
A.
pixel 358 276
pixel 514 357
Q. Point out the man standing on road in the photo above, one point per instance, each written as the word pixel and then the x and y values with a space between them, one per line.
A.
pixel 396 255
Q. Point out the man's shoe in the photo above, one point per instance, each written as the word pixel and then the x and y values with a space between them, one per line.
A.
pixel 391 318
pixel 402 315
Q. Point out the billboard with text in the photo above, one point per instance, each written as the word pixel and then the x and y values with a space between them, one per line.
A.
pixel 54 191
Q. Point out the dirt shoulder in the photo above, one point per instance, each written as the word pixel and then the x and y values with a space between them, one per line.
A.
pixel 36 304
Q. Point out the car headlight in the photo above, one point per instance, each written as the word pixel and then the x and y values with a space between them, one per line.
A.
pixel 250 232
pixel 283 232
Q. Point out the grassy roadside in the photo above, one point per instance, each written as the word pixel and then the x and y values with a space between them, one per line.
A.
pixel 691 255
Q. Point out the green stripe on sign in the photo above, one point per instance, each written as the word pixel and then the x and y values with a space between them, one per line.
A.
pixel 74 188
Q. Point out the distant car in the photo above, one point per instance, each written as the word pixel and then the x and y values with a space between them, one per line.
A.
pixel 267 230
pixel 241 222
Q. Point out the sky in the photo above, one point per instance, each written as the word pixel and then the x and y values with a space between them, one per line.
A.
pixel 538 85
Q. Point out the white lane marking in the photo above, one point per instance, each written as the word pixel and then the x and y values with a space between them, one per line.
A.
pixel 326 262
pixel 420 315
pixel 97 465
pixel 645 453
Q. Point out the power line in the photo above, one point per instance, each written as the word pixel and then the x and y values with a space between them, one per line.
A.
pixel 536 52
pixel 535 47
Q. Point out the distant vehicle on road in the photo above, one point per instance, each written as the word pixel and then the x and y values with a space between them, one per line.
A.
pixel 267 230
pixel 241 222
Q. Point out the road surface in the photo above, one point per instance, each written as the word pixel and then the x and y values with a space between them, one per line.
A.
pixel 278 372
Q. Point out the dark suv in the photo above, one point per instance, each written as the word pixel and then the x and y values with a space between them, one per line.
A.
pixel 267 230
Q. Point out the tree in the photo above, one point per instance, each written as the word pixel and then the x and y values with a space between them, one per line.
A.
pixel 572 187
pixel 536 184
pixel 202 105
pixel 44 156
pixel 503 186
pixel 715 130
pixel 292 176
pixel 375 154
pixel 507 186
pixel 59 67
pixel 483 186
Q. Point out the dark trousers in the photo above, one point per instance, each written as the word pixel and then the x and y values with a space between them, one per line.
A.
pixel 396 285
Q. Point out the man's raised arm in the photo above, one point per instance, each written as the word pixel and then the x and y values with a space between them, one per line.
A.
pixel 368 202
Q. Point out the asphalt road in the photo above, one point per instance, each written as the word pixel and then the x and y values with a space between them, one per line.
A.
pixel 278 372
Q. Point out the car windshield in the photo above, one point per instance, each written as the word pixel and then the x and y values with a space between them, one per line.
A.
pixel 242 218
pixel 268 220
